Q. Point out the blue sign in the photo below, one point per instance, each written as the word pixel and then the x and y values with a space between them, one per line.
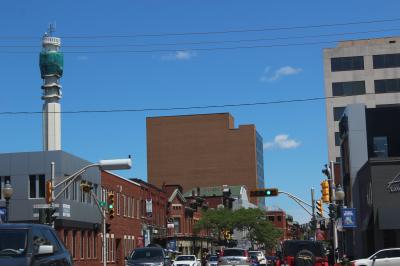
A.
pixel 3 213
pixel 349 217
pixel 171 244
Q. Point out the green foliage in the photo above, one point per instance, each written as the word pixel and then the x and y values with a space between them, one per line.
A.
pixel 259 230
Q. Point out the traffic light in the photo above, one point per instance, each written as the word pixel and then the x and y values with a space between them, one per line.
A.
pixel 49 215
pixel 42 216
pixel 48 193
pixel 320 208
pixel 325 191
pixel 264 192
pixel 86 187
pixel 108 228
pixel 110 202
pixel 332 211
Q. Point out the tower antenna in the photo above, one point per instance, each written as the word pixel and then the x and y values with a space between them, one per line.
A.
pixel 52 28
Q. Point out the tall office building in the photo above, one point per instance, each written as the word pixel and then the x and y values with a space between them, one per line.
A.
pixel 360 71
pixel 204 150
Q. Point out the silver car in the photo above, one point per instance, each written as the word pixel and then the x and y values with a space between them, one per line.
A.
pixel 234 257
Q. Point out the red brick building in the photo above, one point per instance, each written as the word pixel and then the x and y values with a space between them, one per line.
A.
pixel 183 214
pixel 203 150
pixel 283 221
pixel 125 228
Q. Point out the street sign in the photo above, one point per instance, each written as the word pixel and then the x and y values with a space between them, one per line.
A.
pixel 349 218
pixel 170 226
pixel 45 206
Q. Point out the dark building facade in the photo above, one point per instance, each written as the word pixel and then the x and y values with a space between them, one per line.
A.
pixel 78 220
pixel 204 150
pixel 370 148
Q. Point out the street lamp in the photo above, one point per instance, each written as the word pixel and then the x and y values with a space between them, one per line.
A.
pixel 7 192
pixel 339 193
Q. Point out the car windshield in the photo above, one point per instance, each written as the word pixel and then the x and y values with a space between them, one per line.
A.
pixel 213 258
pixel 13 242
pixel 234 252
pixel 291 248
pixel 179 258
pixel 147 253
pixel 256 253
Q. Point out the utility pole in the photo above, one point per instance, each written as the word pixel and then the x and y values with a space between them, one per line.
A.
pixel 313 219
pixel 53 173
pixel 333 203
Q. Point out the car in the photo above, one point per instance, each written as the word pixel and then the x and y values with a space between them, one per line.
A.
pixel 304 252
pixel 149 256
pixel 212 260
pixel 186 260
pixel 389 257
pixel 260 256
pixel 254 260
pixel 234 257
pixel 272 260
pixel 32 245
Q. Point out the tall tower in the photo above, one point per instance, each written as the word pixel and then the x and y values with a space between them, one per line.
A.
pixel 51 69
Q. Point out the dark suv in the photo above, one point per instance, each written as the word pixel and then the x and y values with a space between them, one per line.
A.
pixel 304 252
pixel 31 244
pixel 149 256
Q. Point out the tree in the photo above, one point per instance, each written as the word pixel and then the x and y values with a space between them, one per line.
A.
pixel 215 221
pixel 252 221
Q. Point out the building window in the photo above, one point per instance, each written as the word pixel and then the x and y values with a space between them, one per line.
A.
pixel 338 159
pixel 386 60
pixel 271 218
pixel 348 88
pixel 75 191
pixel 338 112
pixel 387 85
pixel 380 146
pixel 74 244
pixel 177 227
pixel 3 181
pixel 138 209
pixel 82 245
pixel 88 243
pixel 94 246
pixel 36 186
pixel 337 138
pixel 124 201
pixel 65 239
pixel 279 218
pixel 117 203
pixel 133 208
pixel 347 63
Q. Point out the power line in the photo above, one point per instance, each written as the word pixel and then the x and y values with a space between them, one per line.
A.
pixel 209 42
pixel 211 32
pixel 180 108
pixel 182 49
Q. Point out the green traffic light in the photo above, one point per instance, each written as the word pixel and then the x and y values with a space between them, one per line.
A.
pixel 268 192
pixel 110 206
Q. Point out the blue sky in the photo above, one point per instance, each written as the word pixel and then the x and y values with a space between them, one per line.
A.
pixel 294 134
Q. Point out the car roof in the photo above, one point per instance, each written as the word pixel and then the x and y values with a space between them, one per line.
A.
pixel 23 226
pixel 234 248
pixel 144 248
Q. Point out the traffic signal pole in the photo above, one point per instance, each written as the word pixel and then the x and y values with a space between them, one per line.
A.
pixel 53 173
pixel 313 219
pixel 103 216
pixel 333 201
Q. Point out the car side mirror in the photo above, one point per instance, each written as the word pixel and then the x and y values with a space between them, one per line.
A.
pixel 45 250
pixel 198 259
pixel 373 258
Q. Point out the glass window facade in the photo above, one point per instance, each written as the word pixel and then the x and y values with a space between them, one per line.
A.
pixel 348 88
pixel 260 165
pixel 347 63
pixel 338 112
pixel 380 146
pixel 387 85
pixel 386 60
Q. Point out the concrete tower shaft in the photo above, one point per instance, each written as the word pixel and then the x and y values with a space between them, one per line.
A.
pixel 51 63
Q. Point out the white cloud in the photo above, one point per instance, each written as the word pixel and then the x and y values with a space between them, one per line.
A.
pixel 282 141
pixel 179 55
pixel 279 73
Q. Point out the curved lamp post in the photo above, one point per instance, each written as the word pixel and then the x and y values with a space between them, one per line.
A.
pixel 7 192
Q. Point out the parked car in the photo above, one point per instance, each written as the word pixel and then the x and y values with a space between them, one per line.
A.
pixel 234 257
pixel 254 260
pixel 32 245
pixel 389 257
pixel 260 256
pixel 212 260
pixel 186 260
pixel 304 252
pixel 149 256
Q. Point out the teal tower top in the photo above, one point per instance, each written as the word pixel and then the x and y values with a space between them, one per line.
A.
pixel 51 60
